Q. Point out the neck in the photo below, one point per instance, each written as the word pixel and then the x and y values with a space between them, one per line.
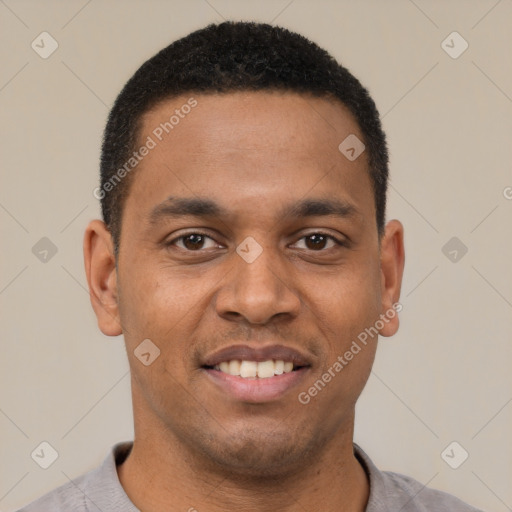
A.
pixel 161 474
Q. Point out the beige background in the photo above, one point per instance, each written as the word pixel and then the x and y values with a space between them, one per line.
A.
pixel 444 377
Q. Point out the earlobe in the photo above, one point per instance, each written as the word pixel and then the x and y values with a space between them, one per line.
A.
pixel 392 260
pixel 100 268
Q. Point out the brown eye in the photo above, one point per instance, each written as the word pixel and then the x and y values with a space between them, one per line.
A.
pixel 316 241
pixel 193 241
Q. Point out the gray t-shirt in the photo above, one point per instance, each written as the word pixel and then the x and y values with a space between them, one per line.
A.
pixel 99 490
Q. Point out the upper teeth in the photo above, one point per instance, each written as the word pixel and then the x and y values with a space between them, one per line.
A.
pixel 253 369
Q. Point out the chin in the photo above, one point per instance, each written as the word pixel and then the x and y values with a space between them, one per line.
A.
pixel 254 454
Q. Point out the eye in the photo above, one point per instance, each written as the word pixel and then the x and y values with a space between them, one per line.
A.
pixel 193 242
pixel 319 241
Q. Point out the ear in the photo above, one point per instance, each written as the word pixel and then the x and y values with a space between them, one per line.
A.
pixel 392 259
pixel 100 268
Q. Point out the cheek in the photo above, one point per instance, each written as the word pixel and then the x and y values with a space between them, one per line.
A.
pixel 348 302
pixel 167 309
pixel 342 375
pixel 152 300
pixel 345 312
pixel 159 307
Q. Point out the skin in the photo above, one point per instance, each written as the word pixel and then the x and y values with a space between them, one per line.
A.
pixel 252 153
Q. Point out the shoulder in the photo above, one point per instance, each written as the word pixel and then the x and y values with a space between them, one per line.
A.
pixel 391 491
pixel 64 498
pixel 98 489
pixel 416 497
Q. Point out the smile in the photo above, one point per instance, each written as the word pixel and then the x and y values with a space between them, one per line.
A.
pixel 256 374
pixel 254 369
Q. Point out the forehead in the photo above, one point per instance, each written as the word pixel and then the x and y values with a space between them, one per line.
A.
pixel 247 145
pixel 279 120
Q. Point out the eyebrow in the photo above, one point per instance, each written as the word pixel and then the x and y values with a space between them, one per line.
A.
pixel 174 207
pixel 185 206
pixel 320 207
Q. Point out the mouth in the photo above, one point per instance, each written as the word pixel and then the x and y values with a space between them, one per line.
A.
pixel 255 370
pixel 256 375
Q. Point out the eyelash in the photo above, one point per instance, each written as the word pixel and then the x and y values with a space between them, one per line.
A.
pixel 338 242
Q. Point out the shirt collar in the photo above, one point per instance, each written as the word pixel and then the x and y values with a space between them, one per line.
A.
pixel 118 496
pixel 377 501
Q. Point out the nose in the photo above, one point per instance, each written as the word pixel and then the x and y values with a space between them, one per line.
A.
pixel 259 291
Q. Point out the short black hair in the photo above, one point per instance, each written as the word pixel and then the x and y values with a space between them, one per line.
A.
pixel 231 57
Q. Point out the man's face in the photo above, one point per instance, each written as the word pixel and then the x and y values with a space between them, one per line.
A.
pixel 197 286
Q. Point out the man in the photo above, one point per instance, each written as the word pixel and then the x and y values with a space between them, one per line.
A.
pixel 244 256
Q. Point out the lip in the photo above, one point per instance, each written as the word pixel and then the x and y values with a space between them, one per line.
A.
pixel 255 390
pixel 258 354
